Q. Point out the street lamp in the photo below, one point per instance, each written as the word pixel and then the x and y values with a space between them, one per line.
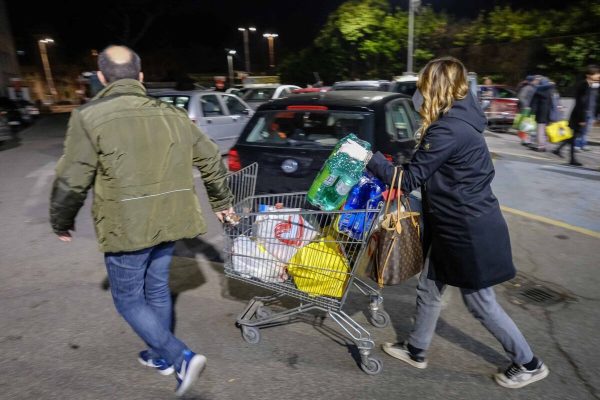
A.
pixel 44 54
pixel 271 37
pixel 247 45
pixel 230 54
pixel 412 4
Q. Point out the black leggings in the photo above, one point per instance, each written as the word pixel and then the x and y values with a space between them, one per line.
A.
pixel 576 134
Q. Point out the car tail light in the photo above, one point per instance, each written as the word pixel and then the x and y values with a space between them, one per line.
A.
pixel 307 108
pixel 234 162
pixel 389 157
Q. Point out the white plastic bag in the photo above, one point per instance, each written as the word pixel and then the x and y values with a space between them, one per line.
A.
pixel 251 260
pixel 283 231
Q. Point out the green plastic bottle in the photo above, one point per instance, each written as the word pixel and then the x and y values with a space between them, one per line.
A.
pixel 337 177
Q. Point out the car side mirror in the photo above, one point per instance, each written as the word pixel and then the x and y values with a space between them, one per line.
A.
pixel 246 111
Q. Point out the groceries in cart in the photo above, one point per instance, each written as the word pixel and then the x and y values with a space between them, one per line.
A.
pixel 366 195
pixel 320 268
pixel 251 260
pixel 282 231
pixel 340 173
pixel 307 255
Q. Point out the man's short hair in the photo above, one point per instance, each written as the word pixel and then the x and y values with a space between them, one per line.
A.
pixel 592 69
pixel 119 62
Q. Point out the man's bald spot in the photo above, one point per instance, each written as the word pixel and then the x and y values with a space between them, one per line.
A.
pixel 119 54
pixel 119 62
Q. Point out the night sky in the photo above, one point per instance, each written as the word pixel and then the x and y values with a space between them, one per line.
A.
pixel 202 27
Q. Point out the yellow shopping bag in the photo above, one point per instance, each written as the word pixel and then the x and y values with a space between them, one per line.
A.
pixel 559 131
pixel 320 269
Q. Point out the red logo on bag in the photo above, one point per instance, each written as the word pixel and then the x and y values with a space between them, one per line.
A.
pixel 284 228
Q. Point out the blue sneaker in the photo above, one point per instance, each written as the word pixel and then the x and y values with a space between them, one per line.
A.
pixel 160 364
pixel 190 370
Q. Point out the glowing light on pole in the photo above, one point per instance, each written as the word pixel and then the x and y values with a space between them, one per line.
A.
pixel 230 54
pixel 271 37
pixel 247 44
pixel 47 71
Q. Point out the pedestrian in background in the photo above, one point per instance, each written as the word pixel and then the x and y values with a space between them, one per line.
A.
pixel 541 107
pixel 583 114
pixel 466 238
pixel 525 94
pixel 137 153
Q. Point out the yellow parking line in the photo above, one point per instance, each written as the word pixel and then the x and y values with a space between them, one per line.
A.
pixel 551 221
pixel 508 153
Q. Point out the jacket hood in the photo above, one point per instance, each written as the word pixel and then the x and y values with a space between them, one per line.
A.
pixel 469 111
pixel 122 86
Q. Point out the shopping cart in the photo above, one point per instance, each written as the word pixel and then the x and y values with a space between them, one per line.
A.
pixel 281 245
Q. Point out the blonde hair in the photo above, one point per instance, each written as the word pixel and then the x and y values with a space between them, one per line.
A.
pixel 441 82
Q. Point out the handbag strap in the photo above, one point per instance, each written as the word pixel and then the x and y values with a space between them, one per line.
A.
pixel 399 189
pixel 389 199
pixel 406 204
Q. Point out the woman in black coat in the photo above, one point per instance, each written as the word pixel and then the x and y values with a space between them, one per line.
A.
pixel 467 238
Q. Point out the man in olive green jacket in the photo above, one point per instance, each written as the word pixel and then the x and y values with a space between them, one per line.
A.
pixel 137 153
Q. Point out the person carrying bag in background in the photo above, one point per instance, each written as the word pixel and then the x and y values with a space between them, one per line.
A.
pixel 466 236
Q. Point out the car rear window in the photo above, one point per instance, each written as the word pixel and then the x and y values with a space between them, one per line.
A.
pixel 177 101
pixel 305 128
pixel 259 94
pixel 408 87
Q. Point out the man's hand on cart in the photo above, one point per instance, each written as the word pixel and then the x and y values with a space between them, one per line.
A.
pixel 227 216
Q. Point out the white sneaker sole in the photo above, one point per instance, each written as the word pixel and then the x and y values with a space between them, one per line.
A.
pixel 544 373
pixel 194 369
pixel 163 372
pixel 403 356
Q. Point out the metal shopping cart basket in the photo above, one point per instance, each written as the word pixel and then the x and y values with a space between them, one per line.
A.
pixel 280 245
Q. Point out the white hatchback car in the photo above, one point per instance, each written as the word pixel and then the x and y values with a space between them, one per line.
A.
pixel 220 115
pixel 255 95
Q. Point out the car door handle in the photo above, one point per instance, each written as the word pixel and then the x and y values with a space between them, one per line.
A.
pixel 235 117
pixel 209 121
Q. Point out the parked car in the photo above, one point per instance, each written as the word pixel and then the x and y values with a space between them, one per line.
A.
pixel 405 84
pixel 29 112
pixel 312 90
pixel 220 115
pixel 500 105
pixel 11 114
pixel 238 91
pixel 256 95
pixel 383 86
pixel 291 138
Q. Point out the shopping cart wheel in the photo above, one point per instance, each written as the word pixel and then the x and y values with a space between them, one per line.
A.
pixel 379 319
pixel 372 366
pixel 263 312
pixel 251 334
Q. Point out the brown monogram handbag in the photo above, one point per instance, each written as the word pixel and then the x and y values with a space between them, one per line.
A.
pixel 399 254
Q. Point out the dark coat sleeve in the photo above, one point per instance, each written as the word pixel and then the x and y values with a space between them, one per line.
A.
pixel 578 114
pixel 435 149
pixel 75 174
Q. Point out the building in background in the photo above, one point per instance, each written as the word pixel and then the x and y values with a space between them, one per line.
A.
pixel 9 67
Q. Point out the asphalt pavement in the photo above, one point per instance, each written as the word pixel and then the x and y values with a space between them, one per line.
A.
pixel 62 339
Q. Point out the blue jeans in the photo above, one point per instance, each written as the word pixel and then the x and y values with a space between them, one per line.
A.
pixel 139 283
pixel 581 140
